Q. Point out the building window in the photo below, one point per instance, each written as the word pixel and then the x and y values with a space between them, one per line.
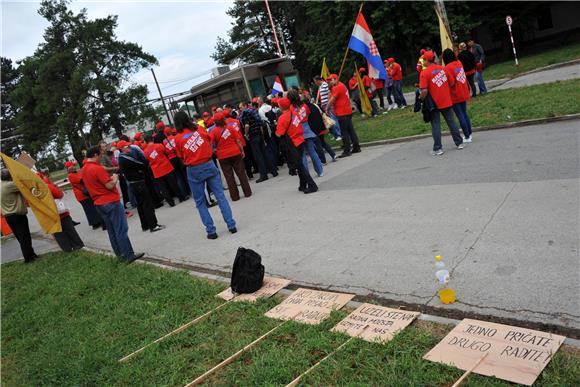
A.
pixel 545 19
pixel 257 87
pixel 291 80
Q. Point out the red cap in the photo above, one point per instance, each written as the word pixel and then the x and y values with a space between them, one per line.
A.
pixel 284 103
pixel 227 112
pixel 159 125
pixel 331 76
pixel 422 51
pixel 168 130
pixel 429 55
pixel 386 61
pixel 205 114
pixel 69 164
pixel 391 60
pixel 362 70
pixel 137 136
pixel 122 144
pixel 219 117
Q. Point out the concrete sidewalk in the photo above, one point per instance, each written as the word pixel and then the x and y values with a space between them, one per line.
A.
pixel 503 213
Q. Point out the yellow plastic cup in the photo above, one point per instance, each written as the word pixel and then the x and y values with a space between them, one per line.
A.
pixel 447 295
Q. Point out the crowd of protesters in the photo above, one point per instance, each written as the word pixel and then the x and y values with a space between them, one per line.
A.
pixel 257 138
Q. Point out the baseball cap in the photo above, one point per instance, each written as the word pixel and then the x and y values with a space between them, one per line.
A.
pixel 429 55
pixel 362 70
pixel 122 144
pixel 422 51
pixel 69 164
pixel 159 125
pixel 391 60
pixel 137 136
pixel 331 76
pixel 205 114
pixel 284 103
pixel 168 130
pixel 218 117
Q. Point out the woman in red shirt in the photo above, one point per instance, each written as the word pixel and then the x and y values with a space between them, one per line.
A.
pixel 68 239
pixel 291 127
pixel 75 179
pixel 230 153
pixel 459 88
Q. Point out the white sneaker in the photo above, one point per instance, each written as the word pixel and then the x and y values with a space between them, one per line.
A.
pixel 468 139
pixel 460 146
pixel 321 175
pixel 335 158
pixel 437 152
pixel 338 138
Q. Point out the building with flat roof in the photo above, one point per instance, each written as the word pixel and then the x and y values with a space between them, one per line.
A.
pixel 242 83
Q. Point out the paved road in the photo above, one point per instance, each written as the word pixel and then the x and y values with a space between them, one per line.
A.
pixel 546 76
pixel 503 213
pixel 11 249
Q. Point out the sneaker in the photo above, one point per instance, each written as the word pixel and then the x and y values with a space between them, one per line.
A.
pixel 460 146
pixel 334 158
pixel 321 175
pixel 437 152
pixel 343 154
pixel 338 138
pixel 301 189
pixel 310 190
pixel 468 139
pixel 261 179
pixel 159 227
pixel 75 223
pixel 212 203
pixel 136 257
pixel 233 230
pixel 275 174
pixel 212 236
pixel 357 150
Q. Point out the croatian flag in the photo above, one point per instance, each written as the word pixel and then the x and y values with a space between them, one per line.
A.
pixel 362 42
pixel 277 87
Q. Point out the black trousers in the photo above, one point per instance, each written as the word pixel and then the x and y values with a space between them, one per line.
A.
pixel 68 240
pixel 93 217
pixel 170 188
pixel 19 226
pixel 381 99
pixel 471 81
pixel 145 205
pixel 295 155
pixel 180 174
pixel 349 137
pixel 265 164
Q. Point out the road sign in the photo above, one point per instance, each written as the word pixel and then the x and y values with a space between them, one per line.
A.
pixel 508 20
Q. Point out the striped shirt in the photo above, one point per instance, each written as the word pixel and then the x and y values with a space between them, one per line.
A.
pixel 323 92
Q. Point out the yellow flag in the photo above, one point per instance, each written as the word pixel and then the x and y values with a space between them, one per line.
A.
pixel 364 99
pixel 36 193
pixel 445 39
pixel 325 72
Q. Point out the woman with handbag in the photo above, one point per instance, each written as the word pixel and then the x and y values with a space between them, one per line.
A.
pixel 319 125
pixel 68 239
pixel 81 193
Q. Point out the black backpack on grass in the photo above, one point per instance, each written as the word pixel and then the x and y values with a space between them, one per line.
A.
pixel 248 271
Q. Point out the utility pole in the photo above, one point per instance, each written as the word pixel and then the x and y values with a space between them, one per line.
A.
pixel 162 100
pixel 273 28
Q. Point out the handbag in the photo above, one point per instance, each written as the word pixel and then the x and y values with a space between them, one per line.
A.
pixel 328 122
pixel 61 207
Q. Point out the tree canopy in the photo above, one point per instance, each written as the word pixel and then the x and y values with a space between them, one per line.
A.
pixel 76 86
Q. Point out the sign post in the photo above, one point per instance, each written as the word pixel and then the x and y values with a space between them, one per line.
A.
pixel 509 21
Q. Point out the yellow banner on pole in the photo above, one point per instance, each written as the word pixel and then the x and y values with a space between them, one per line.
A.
pixel 36 193
pixel 364 99
pixel 444 34
pixel 325 72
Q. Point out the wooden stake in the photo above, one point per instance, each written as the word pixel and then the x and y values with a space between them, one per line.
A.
pixel 347 49
pixel 181 328
pixel 296 381
pixel 230 359
pixel 469 371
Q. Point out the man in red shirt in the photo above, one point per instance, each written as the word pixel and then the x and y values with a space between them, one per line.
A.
pixel 227 140
pixel 397 74
pixel 75 179
pixel 291 126
pixel 193 145
pixel 434 85
pixel 163 171
pixel 102 189
pixel 343 110
pixel 180 175
pixel 459 88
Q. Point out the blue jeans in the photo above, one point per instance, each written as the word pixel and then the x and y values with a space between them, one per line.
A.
pixel 398 91
pixel 311 150
pixel 198 176
pixel 460 110
pixel 335 130
pixel 480 82
pixel 436 127
pixel 113 214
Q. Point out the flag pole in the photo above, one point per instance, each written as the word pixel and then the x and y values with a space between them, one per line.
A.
pixel 347 49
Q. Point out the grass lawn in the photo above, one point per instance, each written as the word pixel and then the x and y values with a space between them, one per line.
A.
pixel 68 318
pixel 502 106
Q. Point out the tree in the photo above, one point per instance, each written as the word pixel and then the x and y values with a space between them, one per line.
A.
pixel 76 86
pixel 8 136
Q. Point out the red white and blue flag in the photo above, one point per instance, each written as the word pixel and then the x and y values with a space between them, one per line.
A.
pixel 362 42
pixel 277 87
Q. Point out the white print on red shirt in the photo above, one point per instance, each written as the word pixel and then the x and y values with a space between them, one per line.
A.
pixel 194 142
pixel 153 154
pixel 440 78
pixel 300 116
pixel 170 144
pixel 461 76
pixel 225 134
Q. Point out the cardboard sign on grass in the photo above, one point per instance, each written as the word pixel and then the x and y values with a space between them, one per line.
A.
pixel 309 306
pixel 383 323
pixel 270 287
pixel 515 354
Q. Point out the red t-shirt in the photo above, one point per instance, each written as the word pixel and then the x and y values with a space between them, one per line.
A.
pixel 378 83
pixel 169 144
pixel 434 79
pixel 292 128
pixel 95 177
pixel 224 139
pixel 158 160
pixel 193 146
pixel 352 83
pixel 303 112
pixel 457 78
pixel 341 102
pixel 397 72
pixel 75 180
pixel 234 124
